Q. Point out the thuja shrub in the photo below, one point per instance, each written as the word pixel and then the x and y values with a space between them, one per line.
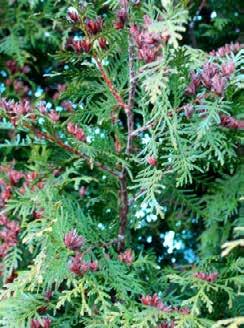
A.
pixel 120 176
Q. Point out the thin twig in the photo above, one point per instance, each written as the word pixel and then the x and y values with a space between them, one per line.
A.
pixel 123 193
pixel 226 121
pixel 143 128
pixel 70 149
pixel 110 85
pixel 100 245
pixel 131 98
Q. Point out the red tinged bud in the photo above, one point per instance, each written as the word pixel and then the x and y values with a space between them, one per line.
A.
pixel 93 266
pixel 12 66
pixel 126 257
pixel 228 68
pixel 194 84
pixel 146 300
pixel 209 277
pixel 42 323
pixel 15 176
pixel 156 302
pixel 118 25
pixel 227 49
pixel 210 70
pixel 71 128
pixel 218 84
pixel 3 219
pixel 35 323
pixel 152 301
pixel 75 264
pixel 102 43
pixel 13 226
pixel 147 54
pixel 77 132
pixel 80 267
pixel 40 184
pixel 191 89
pixel 152 161
pixel 57 172
pixel 73 15
pixel 80 135
pixel 31 176
pixel 73 241
pixel 54 116
pixel 94 26
pixel 8 235
pixel 6 193
pixel 82 45
pixel 122 15
pixel 84 267
pixel 231 122
pixel 37 215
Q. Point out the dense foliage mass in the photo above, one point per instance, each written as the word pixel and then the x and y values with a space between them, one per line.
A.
pixel 120 175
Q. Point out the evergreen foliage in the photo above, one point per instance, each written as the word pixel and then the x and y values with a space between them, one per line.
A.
pixel 121 174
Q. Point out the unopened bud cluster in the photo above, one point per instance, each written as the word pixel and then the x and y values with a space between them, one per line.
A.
pixel 42 323
pixel 212 77
pixel 77 132
pixel 121 15
pixel 126 257
pixel 92 28
pixel 14 181
pixel 209 277
pixel 73 241
pixel 9 230
pixel 226 50
pixel 77 265
pixel 156 302
pixel 148 43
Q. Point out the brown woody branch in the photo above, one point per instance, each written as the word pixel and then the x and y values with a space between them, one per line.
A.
pixel 231 122
pixel 70 149
pixel 131 97
pixel 123 193
pixel 123 190
pixel 110 85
